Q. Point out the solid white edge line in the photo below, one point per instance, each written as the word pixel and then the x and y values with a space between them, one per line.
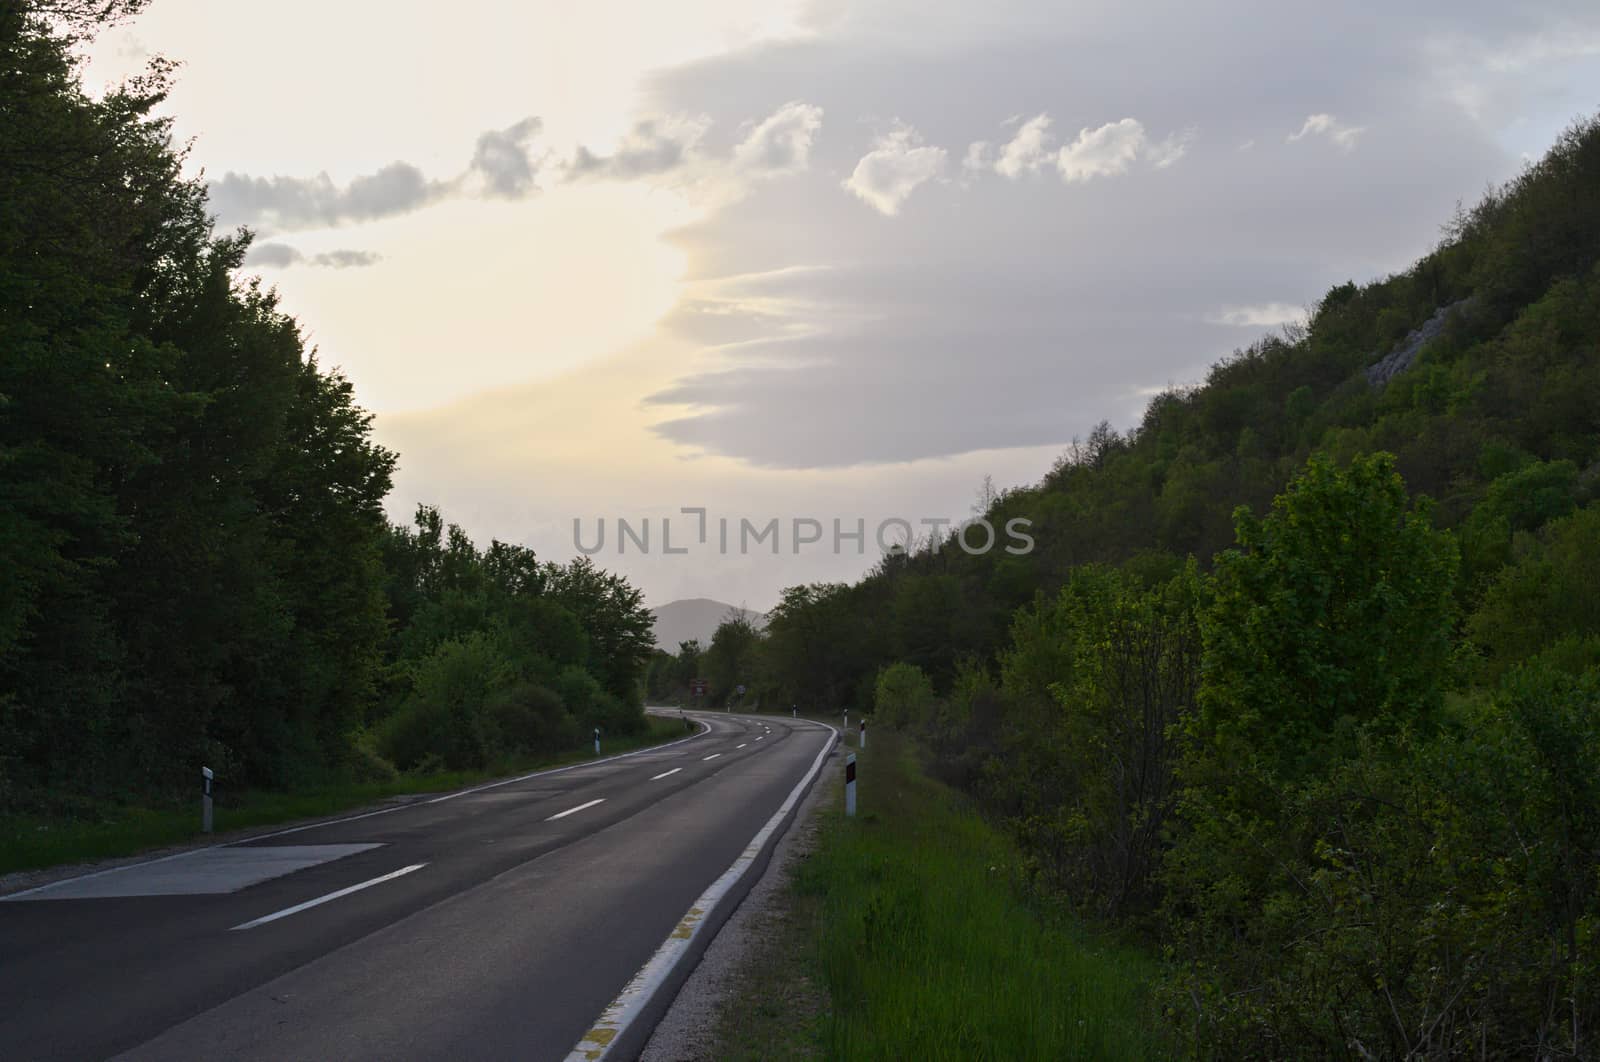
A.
pixel 663 774
pixel 297 908
pixel 353 818
pixel 573 811
pixel 615 1019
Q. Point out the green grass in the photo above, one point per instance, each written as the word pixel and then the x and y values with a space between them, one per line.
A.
pixel 28 842
pixel 910 918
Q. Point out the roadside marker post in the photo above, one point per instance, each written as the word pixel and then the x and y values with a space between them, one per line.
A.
pixel 850 785
pixel 794 711
pixel 205 799
pixel 846 727
pixel 863 741
pixel 597 741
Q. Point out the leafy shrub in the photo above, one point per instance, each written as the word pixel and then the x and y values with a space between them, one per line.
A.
pixel 445 712
pixel 530 720
pixel 902 696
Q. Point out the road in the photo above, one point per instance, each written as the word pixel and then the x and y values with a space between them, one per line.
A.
pixel 493 923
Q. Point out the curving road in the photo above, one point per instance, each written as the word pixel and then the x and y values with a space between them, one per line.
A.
pixel 497 922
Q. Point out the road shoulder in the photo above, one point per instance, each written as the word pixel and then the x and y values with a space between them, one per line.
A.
pixel 751 995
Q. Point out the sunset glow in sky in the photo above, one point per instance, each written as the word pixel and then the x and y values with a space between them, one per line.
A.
pixel 819 259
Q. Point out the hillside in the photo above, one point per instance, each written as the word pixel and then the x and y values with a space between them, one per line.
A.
pixel 1299 683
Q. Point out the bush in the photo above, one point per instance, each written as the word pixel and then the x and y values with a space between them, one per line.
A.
pixel 903 696
pixel 530 720
pixel 367 764
pixel 444 715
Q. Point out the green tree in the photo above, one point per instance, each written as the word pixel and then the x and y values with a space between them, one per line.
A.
pixel 1327 645
pixel 732 658
pixel 903 696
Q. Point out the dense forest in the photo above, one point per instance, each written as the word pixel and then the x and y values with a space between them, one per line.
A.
pixel 197 568
pixel 1301 684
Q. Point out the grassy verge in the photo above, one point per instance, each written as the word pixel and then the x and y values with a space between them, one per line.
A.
pixel 909 919
pixel 31 842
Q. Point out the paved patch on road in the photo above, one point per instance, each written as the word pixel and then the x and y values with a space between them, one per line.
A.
pixel 207 871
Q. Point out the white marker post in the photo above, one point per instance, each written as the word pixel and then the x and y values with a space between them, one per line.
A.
pixel 846 727
pixel 863 741
pixel 597 741
pixel 794 711
pixel 205 799
pixel 850 785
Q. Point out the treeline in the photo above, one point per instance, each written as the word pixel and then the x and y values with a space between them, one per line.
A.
pixel 1302 681
pixel 196 565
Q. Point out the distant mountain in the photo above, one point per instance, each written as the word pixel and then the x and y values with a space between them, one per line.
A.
pixel 695 618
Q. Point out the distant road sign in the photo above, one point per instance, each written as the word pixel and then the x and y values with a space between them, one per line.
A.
pixel 697 687
pixel 739 690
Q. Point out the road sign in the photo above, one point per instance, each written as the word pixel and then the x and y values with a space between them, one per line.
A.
pixel 697 687
pixel 739 689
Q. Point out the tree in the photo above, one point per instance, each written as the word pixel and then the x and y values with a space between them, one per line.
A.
pixel 732 658
pixel 620 628
pixel 1326 654
pixel 1334 610
pixel 903 696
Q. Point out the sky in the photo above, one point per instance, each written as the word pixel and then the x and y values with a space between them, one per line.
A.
pixel 818 262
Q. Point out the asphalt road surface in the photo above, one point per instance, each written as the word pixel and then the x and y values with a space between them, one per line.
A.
pixel 495 923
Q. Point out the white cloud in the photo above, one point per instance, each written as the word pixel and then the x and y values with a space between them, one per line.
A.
pixel 502 160
pixel 978 155
pixel 282 256
pixel 1027 151
pixel 502 167
pixel 283 203
pixel 1326 125
pixel 781 143
pixel 888 174
pixel 1104 152
pixel 1265 315
pixel 653 146
pixel 1165 153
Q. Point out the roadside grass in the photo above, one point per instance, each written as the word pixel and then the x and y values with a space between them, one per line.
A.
pixel 30 842
pixel 911 918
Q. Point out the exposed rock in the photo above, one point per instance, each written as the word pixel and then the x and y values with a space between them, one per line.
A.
pixel 1400 358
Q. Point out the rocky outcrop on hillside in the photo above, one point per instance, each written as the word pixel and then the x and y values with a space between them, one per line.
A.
pixel 1400 358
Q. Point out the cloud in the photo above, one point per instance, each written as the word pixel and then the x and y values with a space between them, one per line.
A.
pixel 1264 315
pixel 887 175
pixel 285 203
pixel 501 167
pixel 282 256
pixel 1026 152
pixel 502 160
pixel 1165 153
pixel 1326 125
pixel 978 156
pixel 1023 311
pixel 1104 152
pixel 781 143
pixel 652 147
pixel 672 149
pixel 345 259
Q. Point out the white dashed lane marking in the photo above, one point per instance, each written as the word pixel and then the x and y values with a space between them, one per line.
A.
pixel 569 811
pixel 297 908
pixel 663 774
